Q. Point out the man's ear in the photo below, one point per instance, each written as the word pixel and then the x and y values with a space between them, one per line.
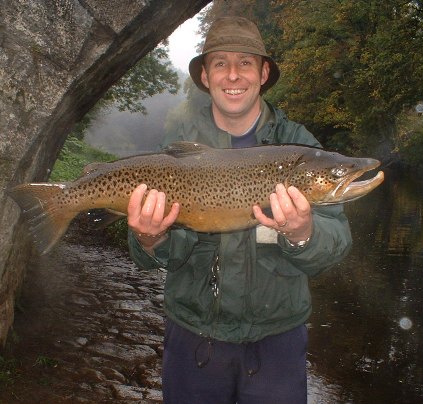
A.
pixel 204 78
pixel 265 69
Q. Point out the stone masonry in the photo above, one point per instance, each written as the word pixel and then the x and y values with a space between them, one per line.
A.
pixel 57 58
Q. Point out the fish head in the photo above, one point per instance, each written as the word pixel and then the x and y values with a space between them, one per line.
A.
pixel 327 178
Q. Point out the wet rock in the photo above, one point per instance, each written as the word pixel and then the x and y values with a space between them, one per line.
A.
pixel 81 341
pixel 154 396
pixel 119 287
pixel 145 339
pixel 127 393
pixel 84 299
pixel 149 377
pixel 113 375
pixel 131 305
pixel 132 393
pixel 128 354
pixel 159 298
pixel 92 375
pixel 113 331
pixel 151 318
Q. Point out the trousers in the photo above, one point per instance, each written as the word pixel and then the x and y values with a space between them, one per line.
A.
pixel 198 370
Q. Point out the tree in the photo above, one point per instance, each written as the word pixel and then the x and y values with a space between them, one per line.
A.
pixel 151 75
pixel 350 67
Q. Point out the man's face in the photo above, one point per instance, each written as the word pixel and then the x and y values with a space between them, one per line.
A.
pixel 234 81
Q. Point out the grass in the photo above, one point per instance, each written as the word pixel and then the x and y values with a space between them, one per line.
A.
pixel 74 156
pixel 46 362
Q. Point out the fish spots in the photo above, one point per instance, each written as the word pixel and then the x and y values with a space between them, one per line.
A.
pixel 229 180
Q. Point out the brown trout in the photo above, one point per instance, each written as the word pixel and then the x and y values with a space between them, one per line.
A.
pixel 216 188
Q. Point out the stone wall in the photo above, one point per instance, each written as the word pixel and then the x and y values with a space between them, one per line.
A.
pixel 57 58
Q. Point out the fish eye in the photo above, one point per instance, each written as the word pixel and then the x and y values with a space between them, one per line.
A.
pixel 339 171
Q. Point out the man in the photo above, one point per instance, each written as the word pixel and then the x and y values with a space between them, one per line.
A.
pixel 236 303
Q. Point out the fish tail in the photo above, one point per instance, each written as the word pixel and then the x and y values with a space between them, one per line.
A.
pixel 47 219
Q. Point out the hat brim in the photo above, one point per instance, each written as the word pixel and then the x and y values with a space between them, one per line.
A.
pixel 196 66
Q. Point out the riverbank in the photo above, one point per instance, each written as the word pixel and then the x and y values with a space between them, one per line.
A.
pixel 89 329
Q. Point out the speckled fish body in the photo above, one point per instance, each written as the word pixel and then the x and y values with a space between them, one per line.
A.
pixel 216 188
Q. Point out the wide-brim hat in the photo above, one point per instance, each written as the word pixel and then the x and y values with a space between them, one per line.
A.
pixel 233 34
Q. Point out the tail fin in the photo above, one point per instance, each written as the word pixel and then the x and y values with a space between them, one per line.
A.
pixel 48 220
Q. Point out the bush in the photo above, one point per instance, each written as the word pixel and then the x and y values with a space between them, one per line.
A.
pixel 73 157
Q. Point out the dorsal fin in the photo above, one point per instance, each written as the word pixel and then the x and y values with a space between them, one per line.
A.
pixel 183 149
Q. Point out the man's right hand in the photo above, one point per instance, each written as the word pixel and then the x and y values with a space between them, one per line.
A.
pixel 147 220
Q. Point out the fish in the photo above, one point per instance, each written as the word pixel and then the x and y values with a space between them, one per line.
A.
pixel 216 188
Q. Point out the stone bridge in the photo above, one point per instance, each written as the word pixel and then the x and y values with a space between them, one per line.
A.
pixel 57 59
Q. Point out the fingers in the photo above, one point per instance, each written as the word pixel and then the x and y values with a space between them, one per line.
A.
pixel 262 218
pixel 299 201
pixel 281 205
pixel 134 205
pixel 288 204
pixel 170 219
pixel 291 212
pixel 152 211
pixel 148 217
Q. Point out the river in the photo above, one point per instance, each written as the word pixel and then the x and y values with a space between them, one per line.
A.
pixel 89 325
pixel 366 328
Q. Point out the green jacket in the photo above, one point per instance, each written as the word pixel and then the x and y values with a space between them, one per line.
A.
pixel 262 287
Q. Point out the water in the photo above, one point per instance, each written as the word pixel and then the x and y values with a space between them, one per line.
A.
pixel 366 329
pixel 88 310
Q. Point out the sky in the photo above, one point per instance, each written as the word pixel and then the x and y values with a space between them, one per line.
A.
pixel 183 43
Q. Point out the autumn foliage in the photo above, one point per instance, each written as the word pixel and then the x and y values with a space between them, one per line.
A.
pixel 350 68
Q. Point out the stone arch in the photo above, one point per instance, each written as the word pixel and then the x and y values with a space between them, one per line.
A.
pixel 57 58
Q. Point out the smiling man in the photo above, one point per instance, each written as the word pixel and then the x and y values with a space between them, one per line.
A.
pixel 234 81
pixel 236 303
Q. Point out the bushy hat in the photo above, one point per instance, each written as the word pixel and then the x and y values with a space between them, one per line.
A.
pixel 233 34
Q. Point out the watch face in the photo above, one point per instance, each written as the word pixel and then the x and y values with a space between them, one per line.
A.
pixel 299 244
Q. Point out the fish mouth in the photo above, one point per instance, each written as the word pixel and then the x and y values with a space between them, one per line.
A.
pixel 349 190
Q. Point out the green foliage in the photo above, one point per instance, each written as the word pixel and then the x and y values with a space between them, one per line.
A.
pixel 118 232
pixel 73 157
pixel 351 67
pixel 151 75
pixel 348 67
pixel 45 362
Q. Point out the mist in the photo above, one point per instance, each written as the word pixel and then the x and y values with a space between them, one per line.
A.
pixel 124 133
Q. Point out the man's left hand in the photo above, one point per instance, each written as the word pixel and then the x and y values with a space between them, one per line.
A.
pixel 291 214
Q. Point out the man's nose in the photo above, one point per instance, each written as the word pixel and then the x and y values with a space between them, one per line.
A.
pixel 233 73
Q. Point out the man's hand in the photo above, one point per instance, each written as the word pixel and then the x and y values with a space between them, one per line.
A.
pixel 147 220
pixel 291 214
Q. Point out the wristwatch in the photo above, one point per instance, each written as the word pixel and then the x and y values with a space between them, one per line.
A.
pixel 298 244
